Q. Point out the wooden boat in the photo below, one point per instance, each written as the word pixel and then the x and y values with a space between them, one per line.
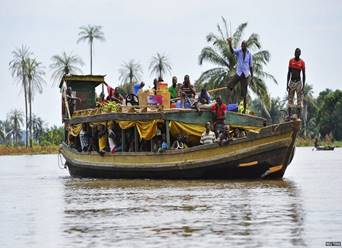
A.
pixel 325 148
pixel 265 152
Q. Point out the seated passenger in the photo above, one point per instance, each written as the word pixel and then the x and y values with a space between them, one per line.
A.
pixel 84 137
pixel 204 97
pixel 100 100
pixel 184 102
pixel 239 133
pixel 114 95
pixel 102 139
pixel 218 111
pixel 113 140
pixel 208 137
pixel 93 140
pixel 179 144
pixel 225 136
pixel 163 146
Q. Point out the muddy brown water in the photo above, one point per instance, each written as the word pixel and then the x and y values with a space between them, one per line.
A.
pixel 42 206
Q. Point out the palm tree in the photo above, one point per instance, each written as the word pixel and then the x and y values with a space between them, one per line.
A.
pixel 308 101
pixel 35 78
pixel 129 73
pixel 220 55
pixel 2 131
pixel 15 119
pixel 38 127
pixel 5 131
pixel 65 64
pixel 160 65
pixel 90 33
pixel 17 67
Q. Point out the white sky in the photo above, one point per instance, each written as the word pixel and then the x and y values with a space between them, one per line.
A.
pixel 137 29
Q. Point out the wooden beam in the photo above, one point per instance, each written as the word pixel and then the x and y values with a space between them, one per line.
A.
pixel 123 138
pixel 167 134
pixel 136 141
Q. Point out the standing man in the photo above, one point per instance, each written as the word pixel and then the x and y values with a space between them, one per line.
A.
pixel 173 88
pixel 294 82
pixel 218 112
pixel 244 69
pixel 187 88
pixel 137 87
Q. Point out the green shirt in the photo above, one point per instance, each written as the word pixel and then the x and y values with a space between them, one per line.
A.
pixel 173 92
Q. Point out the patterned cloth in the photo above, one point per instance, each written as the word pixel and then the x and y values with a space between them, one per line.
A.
pixel 83 139
pixel 295 87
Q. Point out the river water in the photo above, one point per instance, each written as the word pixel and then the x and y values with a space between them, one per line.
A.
pixel 41 206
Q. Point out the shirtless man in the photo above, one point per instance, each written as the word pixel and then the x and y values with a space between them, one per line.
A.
pixel 294 82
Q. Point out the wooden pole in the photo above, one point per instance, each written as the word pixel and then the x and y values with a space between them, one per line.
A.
pixel 209 91
pixel 136 147
pixel 167 134
pixel 123 139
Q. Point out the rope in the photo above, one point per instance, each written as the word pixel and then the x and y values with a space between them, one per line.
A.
pixel 60 163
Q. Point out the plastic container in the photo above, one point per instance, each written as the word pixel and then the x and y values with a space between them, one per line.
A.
pixel 166 98
pixel 155 100
pixel 162 86
pixel 233 107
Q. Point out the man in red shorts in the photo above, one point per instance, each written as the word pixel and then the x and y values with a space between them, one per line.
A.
pixel 294 82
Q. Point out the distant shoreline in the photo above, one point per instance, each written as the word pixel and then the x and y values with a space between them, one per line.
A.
pixel 22 150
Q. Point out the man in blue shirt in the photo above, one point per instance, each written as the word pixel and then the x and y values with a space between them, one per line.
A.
pixel 137 87
pixel 244 69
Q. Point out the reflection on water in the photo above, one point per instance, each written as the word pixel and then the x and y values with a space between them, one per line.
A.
pixel 41 206
pixel 140 212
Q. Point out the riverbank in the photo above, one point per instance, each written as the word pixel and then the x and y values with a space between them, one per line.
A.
pixel 301 142
pixel 22 150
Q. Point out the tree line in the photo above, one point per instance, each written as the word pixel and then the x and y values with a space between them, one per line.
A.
pixel 321 118
pixel 11 131
pixel 29 72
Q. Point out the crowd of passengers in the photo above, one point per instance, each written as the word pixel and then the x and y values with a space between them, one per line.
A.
pixel 104 139
pixel 183 95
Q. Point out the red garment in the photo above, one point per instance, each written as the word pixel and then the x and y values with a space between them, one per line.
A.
pixel 296 64
pixel 220 110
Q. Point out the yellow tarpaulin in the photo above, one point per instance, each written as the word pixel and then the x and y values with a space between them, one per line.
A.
pixel 75 130
pixel 247 128
pixel 146 129
pixel 177 127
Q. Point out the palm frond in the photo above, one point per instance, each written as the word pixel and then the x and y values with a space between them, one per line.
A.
pixel 238 34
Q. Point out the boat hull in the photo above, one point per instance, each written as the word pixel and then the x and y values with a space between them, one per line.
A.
pixel 264 155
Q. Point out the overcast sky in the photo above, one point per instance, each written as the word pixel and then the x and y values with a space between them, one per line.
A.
pixel 137 29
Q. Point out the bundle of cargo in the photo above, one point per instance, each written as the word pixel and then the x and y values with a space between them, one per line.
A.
pixel 163 91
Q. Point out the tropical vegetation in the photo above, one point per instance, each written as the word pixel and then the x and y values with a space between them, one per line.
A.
pixel 17 67
pixel 11 133
pixel 219 54
pixel 30 73
pixel 160 65
pixel 65 64
pixel 35 73
pixel 91 33
pixel 130 72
